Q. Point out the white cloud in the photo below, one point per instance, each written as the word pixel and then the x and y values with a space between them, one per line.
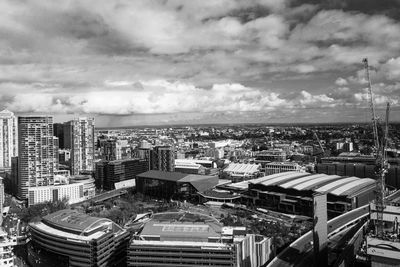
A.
pixel 128 57
pixel 391 69
pixel 160 96
pixel 341 82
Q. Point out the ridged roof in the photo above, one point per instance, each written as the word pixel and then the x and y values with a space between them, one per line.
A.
pixel 323 183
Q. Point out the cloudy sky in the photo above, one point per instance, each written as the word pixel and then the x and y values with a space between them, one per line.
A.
pixel 132 62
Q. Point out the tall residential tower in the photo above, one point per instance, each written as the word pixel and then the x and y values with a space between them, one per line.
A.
pixel 35 152
pixel 81 140
pixel 8 138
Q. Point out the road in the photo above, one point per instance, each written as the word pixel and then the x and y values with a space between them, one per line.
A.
pixel 299 250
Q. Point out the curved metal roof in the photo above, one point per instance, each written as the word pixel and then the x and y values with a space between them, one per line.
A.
pixel 301 180
pixel 323 183
pixel 315 182
pixel 352 187
pixel 332 186
pixel 284 177
pixel 73 221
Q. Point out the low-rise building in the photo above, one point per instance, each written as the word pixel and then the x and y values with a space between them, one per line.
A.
pixel 291 192
pixel 238 172
pixel 174 185
pixel 77 239
pixel 40 194
pixel 193 239
pixel 278 167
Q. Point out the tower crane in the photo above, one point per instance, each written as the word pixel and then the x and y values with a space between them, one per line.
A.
pixel 381 164
pixel 319 142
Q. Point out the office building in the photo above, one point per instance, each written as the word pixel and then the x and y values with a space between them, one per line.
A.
pixel 89 189
pixel 64 156
pixel 162 158
pixel 193 239
pixel 35 153
pixel 143 153
pixel 8 138
pixel 58 131
pixel 79 136
pixel 112 149
pixel 271 155
pixel 76 239
pixel 116 171
pixel 345 146
pixel 194 166
pixel 108 150
pixel 100 173
pixel 277 167
pixel 189 167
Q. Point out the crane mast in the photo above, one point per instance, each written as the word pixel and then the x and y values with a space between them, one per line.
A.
pixel 372 106
pixel 319 142
pixel 381 165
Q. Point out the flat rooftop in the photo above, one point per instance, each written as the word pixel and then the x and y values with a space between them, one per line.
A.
pixel 181 226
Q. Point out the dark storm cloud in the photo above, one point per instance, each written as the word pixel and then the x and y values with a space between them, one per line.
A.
pixel 389 8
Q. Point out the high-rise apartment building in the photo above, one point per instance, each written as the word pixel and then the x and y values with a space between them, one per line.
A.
pixel 80 133
pixel 58 130
pixel 1 199
pixel 35 153
pixel 8 138
pixel 56 153
pixel 162 158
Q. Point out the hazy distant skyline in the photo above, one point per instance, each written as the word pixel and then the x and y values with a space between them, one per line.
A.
pixel 199 61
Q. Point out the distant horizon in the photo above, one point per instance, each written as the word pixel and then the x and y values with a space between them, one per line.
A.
pixel 160 120
pixel 241 124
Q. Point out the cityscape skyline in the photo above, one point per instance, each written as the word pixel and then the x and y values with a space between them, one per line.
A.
pixel 130 63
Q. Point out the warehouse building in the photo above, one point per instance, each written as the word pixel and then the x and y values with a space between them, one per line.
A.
pixel 237 172
pixel 291 192
pixel 193 239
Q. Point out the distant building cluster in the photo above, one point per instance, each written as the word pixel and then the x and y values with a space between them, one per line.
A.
pixel 280 170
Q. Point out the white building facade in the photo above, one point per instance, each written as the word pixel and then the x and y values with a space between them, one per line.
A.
pixel 8 138
pixel 72 192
